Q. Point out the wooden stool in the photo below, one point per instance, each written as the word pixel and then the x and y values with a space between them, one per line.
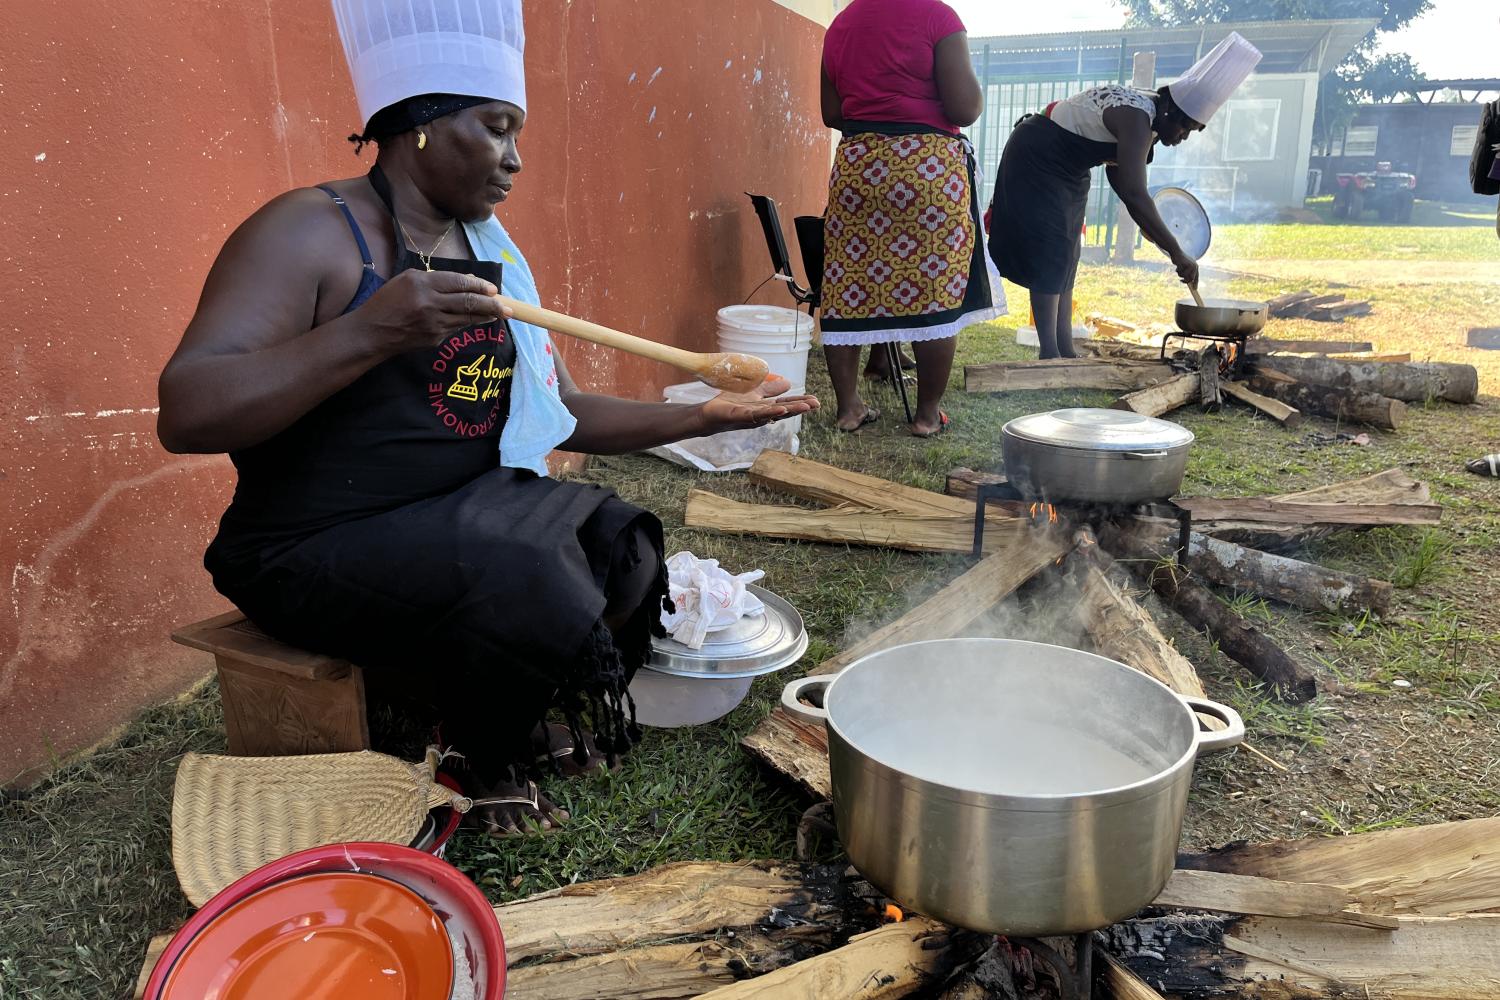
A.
pixel 280 700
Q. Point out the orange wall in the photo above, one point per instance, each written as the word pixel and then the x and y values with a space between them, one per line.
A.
pixel 137 133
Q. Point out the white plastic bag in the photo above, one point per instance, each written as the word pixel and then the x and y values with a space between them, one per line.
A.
pixel 729 451
pixel 706 598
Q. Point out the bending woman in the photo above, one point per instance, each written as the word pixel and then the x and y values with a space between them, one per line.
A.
pixel 1042 188
pixel 390 425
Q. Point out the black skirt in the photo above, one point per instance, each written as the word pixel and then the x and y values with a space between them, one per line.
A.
pixel 1040 204
pixel 497 586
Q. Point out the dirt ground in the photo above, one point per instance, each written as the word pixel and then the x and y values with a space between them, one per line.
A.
pixel 1370 272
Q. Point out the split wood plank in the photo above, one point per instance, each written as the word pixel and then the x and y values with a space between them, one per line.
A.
pixel 1290 581
pixel 850 526
pixel 1339 311
pixel 891 961
pixel 1267 958
pixel 1064 373
pixel 1263 897
pixel 669 902
pixel 1287 416
pixel 1281 302
pixel 1434 870
pixel 1208 379
pixel 1329 402
pixel 1126 349
pixel 654 972
pixel 1413 382
pixel 1486 338
pixel 798 749
pixel 802 477
pixel 1303 308
pixel 960 603
pixel 1107 326
pixel 1390 486
pixel 1383 356
pixel 1285 512
pixel 965 483
pixel 154 949
pixel 1120 628
pixel 1267 345
pixel 1119 982
pixel 1164 397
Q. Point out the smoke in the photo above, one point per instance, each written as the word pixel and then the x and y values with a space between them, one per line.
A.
pixel 1047 608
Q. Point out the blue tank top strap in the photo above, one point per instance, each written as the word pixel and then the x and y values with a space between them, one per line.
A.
pixel 370 280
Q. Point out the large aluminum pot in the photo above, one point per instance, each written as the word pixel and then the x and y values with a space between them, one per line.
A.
pixel 1091 455
pixel 1010 787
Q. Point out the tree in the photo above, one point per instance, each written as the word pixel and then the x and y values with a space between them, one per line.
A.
pixel 1363 77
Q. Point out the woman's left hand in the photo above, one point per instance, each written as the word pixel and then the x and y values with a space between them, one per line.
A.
pixel 732 411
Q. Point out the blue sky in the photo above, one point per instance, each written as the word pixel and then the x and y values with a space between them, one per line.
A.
pixel 1457 38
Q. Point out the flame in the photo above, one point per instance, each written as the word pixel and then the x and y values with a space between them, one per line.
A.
pixel 1047 508
pixel 893 913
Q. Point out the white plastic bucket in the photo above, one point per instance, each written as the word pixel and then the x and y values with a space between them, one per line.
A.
pixel 780 337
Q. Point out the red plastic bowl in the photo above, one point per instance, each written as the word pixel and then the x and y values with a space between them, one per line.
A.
pixel 452 896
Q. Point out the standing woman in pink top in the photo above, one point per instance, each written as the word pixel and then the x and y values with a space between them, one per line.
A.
pixel 904 254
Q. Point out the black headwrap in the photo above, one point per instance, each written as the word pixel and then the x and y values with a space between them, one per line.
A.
pixel 403 116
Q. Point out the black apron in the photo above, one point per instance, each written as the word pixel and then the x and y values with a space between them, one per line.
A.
pixel 1041 202
pixel 380 528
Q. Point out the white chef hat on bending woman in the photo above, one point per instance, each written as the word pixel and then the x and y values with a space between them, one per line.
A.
pixel 1209 82
pixel 399 49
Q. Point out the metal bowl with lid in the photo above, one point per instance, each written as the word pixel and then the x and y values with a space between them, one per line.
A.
pixel 1088 455
pixel 688 687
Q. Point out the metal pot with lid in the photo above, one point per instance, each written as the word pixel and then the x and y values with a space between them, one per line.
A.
pixel 1089 455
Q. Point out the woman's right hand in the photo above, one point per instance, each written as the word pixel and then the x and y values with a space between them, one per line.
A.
pixel 418 309
pixel 1187 268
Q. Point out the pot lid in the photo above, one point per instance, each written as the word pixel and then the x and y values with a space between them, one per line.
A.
pixel 1186 218
pixel 754 645
pixel 1099 430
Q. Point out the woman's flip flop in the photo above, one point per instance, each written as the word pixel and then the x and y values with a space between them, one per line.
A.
pixel 871 415
pixel 528 826
pixel 944 425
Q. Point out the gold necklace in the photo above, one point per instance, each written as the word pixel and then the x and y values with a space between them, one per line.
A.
pixel 426 258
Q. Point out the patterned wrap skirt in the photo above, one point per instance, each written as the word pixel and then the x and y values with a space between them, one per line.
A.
pixel 904 248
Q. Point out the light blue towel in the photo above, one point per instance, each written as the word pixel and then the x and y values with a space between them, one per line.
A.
pixel 538 420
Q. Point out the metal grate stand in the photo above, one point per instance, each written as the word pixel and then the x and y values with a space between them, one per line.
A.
pixel 1233 364
pixel 1087 514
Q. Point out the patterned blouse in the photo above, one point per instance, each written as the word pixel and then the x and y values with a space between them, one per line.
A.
pixel 1083 114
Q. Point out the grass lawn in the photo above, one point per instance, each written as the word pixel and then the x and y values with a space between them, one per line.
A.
pixel 85 872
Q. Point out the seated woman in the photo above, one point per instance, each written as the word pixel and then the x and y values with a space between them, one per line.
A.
pixel 390 427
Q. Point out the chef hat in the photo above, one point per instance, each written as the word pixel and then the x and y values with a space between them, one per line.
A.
pixel 1209 82
pixel 404 48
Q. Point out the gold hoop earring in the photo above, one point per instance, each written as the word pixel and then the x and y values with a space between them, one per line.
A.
pixel 421 139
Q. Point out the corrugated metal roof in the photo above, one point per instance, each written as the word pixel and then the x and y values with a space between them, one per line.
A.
pixel 1289 47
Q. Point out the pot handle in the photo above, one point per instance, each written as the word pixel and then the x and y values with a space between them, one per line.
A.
pixel 791 696
pixel 1145 454
pixel 1232 735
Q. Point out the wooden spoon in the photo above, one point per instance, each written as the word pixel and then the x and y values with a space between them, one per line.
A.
pixel 729 372
pixel 1196 297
